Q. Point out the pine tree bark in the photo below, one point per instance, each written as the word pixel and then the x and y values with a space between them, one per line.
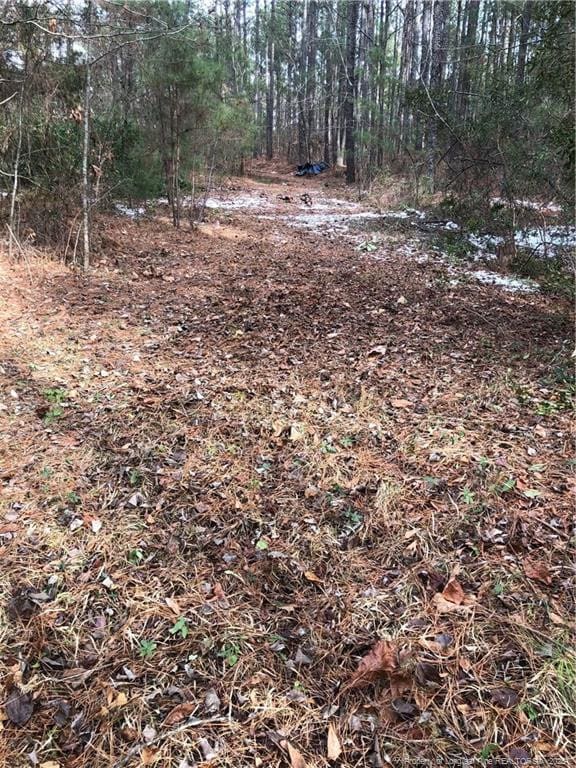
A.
pixel 311 22
pixel 438 58
pixel 270 91
pixel 328 85
pixel 290 81
pixel 385 10
pixel 469 54
pixel 524 37
pixel 86 143
pixel 351 92
pixel 258 80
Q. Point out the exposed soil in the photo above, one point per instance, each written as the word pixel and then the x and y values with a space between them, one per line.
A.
pixel 236 459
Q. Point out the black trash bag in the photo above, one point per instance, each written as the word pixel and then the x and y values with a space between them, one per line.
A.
pixel 311 169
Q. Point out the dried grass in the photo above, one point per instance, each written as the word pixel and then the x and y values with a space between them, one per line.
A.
pixel 235 468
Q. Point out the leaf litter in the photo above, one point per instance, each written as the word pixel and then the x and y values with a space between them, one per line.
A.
pixel 299 500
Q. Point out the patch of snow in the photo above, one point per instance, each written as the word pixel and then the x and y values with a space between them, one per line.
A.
pixel 238 202
pixel 512 284
pixel 327 203
pixel 542 242
pixel 332 222
pixel 531 204
pixel 545 242
pixel 451 226
pixel 132 213
pixel 407 213
pixel 415 212
pixel 484 242
pixel 395 215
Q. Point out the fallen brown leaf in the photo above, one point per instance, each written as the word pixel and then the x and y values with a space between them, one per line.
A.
pixel 120 701
pixel 334 746
pixel 296 759
pixel 311 576
pixel 173 605
pixel 381 659
pixel 76 676
pixel 400 403
pixel 149 755
pixel 179 713
pixel 399 684
pixel 538 571
pixel 218 592
pixel 453 592
pixel 446 606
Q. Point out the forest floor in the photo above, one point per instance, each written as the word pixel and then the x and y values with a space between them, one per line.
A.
pixel 269 498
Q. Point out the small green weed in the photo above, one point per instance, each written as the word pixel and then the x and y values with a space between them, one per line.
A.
pixel 134 478
pixel 467 496
pixel 180 628
pixel 147 648
pixel 55 395
pixel 230 652
pixel 487 751
pixel 135 556
pixel 53 414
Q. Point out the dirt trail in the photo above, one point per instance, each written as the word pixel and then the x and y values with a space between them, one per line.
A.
pixel 234 459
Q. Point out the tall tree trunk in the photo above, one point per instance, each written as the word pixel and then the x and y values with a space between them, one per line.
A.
pixel 405 67
pixel 425 62
pixel 270 92
pixel 393 116
pixel 383 43
pixel 311 75
pixel 257 80
pixel 175 124
pixel 290 81
pixel 351 93
pixel 302 81
pixel 12 228
pixel 329 85
pixel 86 143
pixel 524 37
pixel 437 74
pixel 469 55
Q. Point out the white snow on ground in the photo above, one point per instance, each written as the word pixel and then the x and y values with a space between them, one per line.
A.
pixel 407 213
pixel 506 282
pixel 316 220
pixel 415 212
pixel 395 215
pixel 125 210
pixel 546 242
pixel 542 242
pixel 329 203
pixel 484 242
pixel 532 204
pixel 238 202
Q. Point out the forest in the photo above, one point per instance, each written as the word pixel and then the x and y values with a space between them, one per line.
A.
pixel 287 383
